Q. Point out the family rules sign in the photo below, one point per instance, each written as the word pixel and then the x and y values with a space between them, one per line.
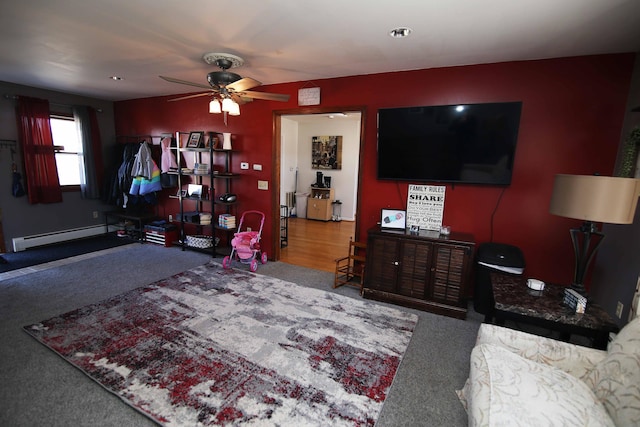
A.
pixel 425 206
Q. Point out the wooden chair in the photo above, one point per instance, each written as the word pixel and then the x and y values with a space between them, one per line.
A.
pixel 351 266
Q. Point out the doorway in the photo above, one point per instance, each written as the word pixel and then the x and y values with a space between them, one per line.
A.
pixel 310 227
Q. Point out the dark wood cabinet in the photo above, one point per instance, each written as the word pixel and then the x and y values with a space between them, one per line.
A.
pixel 426 271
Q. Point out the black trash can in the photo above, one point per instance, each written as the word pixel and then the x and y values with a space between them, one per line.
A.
pixel 494 257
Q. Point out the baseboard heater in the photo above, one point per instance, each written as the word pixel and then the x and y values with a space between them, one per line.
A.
pixel 22 243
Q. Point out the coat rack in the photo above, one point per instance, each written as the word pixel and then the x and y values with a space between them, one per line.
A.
pixel 8 143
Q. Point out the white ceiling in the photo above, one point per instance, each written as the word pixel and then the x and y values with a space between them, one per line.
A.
pixel 76 45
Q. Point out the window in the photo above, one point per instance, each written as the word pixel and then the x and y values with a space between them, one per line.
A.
pixel 69 160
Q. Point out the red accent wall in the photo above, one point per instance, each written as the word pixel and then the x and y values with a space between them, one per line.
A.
pixel 571 121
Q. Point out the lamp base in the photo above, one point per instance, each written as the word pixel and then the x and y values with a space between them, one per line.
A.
pixel 579 288
pixel 586 241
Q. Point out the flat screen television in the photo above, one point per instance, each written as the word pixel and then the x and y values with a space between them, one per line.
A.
pixel 463 143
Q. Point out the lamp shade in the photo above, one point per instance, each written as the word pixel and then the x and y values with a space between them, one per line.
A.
pixel 595 198
pixel 234 110
pixel 227 104
pixel 214 106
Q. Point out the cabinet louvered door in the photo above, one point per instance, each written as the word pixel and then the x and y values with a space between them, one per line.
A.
pixel 414 266
pixel 449 273
pixel 382 264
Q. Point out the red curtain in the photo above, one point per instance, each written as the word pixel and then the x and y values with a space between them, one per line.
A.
pixel 34 133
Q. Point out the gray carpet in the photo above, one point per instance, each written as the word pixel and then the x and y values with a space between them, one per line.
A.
pixel 38 388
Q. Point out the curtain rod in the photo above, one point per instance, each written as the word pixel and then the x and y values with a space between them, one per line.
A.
pixel 6 96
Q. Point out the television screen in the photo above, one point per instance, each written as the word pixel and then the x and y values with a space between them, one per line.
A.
pixel 464 143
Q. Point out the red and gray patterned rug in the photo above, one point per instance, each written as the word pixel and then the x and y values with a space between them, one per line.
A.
pixel 215 347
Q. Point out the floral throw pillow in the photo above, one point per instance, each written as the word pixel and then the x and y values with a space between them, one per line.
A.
pixel 616 379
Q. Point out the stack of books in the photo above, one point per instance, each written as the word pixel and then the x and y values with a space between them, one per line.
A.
pixel 201 169
pixel 227 221
pixel 575 301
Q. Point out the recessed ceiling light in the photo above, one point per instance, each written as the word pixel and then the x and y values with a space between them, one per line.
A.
pixel 116 78
pixel 400 32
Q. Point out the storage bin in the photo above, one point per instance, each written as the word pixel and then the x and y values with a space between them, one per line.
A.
pixel 494 257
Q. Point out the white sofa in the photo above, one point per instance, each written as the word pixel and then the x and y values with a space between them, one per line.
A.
pixel 519 379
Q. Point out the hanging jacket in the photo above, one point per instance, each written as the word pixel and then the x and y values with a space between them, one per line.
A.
pixel 143 163
pixel 123 180
pixel 168 159
pixel 145 172
pixel 141 185
pixel 168 162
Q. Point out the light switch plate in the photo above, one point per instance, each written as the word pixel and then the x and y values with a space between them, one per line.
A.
pixel 257 167
pixel 263 185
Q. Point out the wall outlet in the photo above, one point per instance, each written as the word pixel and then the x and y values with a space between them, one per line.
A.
pixel 95 214
pixel 244 165
pixel 619 310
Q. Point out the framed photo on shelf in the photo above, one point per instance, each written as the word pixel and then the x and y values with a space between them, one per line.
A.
pixel 194 190
pixel 393 219
pixel 182 193
pixel 195 139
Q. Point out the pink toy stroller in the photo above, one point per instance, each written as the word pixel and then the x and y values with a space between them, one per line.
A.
pixel 245 245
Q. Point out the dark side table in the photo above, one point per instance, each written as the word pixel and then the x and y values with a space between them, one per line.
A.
pixel 515 301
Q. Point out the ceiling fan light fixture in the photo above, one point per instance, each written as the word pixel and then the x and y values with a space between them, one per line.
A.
pixel 227 104
pixel 235 109
pixel 214 106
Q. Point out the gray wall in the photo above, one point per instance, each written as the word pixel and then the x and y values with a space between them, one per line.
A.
pixel 19 218
pixel 617 267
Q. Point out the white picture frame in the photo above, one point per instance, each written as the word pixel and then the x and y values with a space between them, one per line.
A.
pixel 194 190
pixel 393 219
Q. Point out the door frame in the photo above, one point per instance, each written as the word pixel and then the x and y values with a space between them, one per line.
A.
pixel 276 165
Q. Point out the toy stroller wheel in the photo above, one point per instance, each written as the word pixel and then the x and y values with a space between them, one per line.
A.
pixel 254 265
pixel 263 258
pixel 226 262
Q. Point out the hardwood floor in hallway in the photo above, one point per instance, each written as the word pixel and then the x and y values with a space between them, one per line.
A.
pixel 317 244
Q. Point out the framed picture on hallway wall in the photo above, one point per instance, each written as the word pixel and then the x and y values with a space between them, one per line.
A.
pixel 326 152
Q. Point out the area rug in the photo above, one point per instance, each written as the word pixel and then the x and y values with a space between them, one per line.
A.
pixel 228 347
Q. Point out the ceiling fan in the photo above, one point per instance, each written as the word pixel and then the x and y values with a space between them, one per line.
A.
pixel 227 85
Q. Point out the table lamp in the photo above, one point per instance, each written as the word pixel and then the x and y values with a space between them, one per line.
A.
pixel 592 198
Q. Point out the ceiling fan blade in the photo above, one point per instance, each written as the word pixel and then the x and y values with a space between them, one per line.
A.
pixel 191 96
pixel 184 82
pixel 243 84
pixel 264 95
pixel 240 99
